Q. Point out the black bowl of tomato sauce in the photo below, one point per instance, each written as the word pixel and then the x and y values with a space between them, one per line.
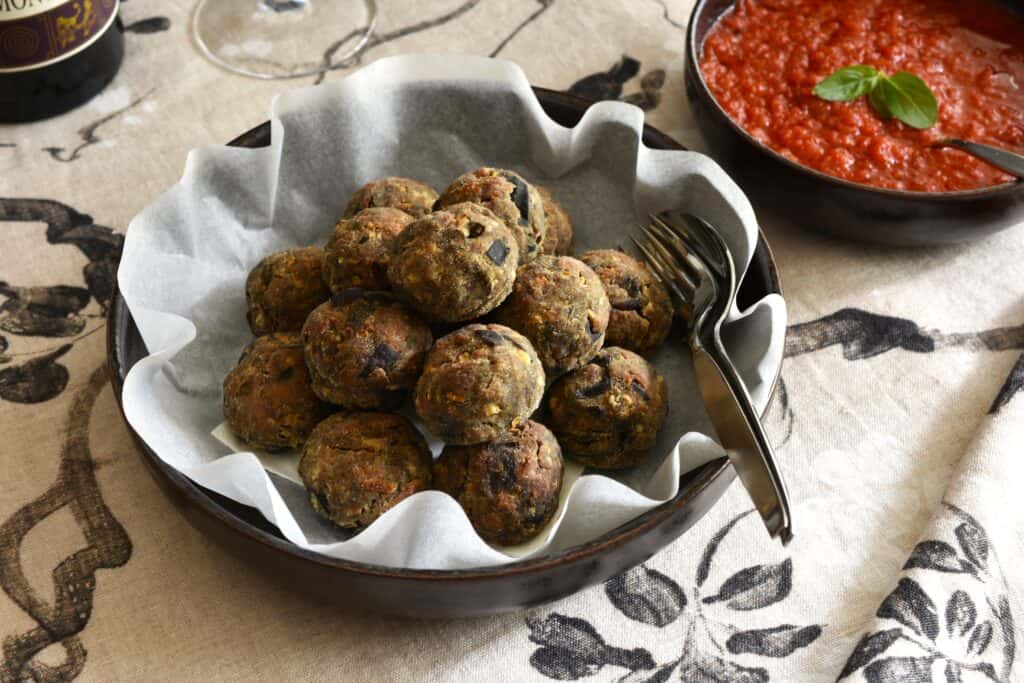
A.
pixel 838 167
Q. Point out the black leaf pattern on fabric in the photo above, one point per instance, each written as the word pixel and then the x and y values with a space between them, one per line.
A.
pixel 572 648
pixel 704 568
pixel 647 596
pixel 635 660
pixel 659 675
pixel 148 25
pixel 960 614
pixel 700 667
pixel 937 555
pixel 900 670
pixel 36 380
pixel 911 606
pixel 756 587
pixel 980 638
pixel 953 673
pixel 869 647
pixel 649 96
pixel 606 85
pixel 64 225
pixel 780 641
pixel 974 543
pixel 17 317
pixel 861 334
pixel 54 301
pixel 1014 384
pixel 1009 635
pixel 562 664
pixel 558 630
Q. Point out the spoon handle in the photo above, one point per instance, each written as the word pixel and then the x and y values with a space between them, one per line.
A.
pixel 1003 159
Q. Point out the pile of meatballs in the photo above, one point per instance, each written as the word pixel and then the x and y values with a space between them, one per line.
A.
pixel 469 304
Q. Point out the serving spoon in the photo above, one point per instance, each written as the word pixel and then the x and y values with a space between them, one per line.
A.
pixel 1005 160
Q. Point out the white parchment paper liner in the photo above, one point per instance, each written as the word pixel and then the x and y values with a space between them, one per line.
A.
pixel 429 117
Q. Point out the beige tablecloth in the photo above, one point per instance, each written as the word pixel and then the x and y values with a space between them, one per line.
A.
pixel 896 423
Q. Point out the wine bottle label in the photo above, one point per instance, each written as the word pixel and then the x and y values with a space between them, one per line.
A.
pixel 35 33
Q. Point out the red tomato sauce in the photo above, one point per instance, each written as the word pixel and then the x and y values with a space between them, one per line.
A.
pixel 763 59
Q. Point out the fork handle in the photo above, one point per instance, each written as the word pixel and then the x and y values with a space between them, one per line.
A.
pixel 741 434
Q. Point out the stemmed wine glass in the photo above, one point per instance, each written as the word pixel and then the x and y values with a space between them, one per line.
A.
pixel 273 39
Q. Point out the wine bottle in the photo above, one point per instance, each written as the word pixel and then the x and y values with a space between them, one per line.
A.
pixel 55 54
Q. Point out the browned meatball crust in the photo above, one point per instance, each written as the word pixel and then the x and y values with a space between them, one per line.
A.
pixel 411 196
pixel 641 308
pixel 559 235
pixel 607 414
pixel 283 288
pixel 268 400
pixel 510 197
pixel 559 304
pixel 477 383
pixel 357 466
pixel 508 487
pixel 454 265
pixel 364 349
pixel 359 250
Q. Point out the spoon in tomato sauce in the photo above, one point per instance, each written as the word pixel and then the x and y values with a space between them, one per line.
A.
pixel 1003 159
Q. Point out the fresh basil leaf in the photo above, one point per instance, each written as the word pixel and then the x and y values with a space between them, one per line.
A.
pixel 848 83
pixel 910 99
pixel 877 101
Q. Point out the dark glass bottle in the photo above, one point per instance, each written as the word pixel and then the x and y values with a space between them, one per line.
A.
pixel 55 55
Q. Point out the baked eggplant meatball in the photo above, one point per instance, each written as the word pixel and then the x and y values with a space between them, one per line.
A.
pixel 411 196
pixel 283 288
pixel 268 399
pixel 607 414
pixel 559 304
pixel 456 264
pixel 359 251
pixel 510 197
pixel 357 466
pixel 364 349
pixel 478 382
pixel 559 235
pixel 641 308
pixel 508 487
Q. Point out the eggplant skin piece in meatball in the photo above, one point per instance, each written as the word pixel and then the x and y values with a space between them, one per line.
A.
pixel 359 250
pixel 510 197
pixel 454 265
pixel 642 311
pixel 405 194
pixel 283 288
pixel 268 399
pixel 508 487
pixel 607 414
pixel 559 304
pixel 358 465
pixel 559 237
pixel 478 382
pixel 364 349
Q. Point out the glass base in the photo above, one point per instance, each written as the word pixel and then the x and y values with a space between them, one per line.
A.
pixel 273 39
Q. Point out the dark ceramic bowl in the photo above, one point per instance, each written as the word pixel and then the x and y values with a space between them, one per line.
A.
pixel 818 201
pixel 243 530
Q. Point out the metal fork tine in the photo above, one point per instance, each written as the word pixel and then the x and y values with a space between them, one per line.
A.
pixel 675 253
pixel 692 239
pixel 704 239
pixel 681 244
pixel 666 274
pixel 672 256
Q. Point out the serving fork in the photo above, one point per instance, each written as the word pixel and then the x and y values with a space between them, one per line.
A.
pixel 693 261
